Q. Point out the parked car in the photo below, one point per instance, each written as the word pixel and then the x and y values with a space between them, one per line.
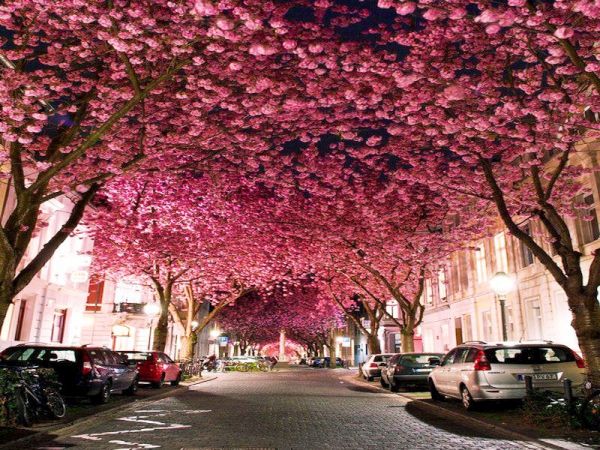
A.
pixel 92 372
pixel 372 366
pixel 409 369
pixel 478 371
pixel 155 368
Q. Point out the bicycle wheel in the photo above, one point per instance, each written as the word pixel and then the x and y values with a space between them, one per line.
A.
pixel 24 414
pixel 55 403
pixel 590 411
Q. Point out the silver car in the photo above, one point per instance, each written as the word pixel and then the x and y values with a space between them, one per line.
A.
pixel 477 371
pixel 373 365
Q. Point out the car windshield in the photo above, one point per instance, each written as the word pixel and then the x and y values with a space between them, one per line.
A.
pixel 137 356
pixel 419 360
pixel 529 355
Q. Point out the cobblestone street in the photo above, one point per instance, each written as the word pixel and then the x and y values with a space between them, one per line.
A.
pixel 293 408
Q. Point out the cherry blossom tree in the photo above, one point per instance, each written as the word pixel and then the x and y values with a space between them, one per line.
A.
pixel 90 90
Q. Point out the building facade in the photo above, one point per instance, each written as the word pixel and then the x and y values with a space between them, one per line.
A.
pixel 461 306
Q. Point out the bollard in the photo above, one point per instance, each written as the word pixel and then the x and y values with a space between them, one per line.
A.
pixel 568 388
pixel 529 385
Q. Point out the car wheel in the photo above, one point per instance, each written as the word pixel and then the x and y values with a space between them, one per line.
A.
pixel 383 383
pixel 131 390
pixel 393 386
pixel 176 381
pixel 159 384
pixel 435 395
pixel 467 399
pixel 104 395
pixel 55 403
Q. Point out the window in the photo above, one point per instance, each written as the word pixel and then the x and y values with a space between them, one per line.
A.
pixel 510 323
pixel 442 285
pixel 428 292
pixel 392 308
pixel 58 325
pixel 463 271
pixel 486 324
pixel 529 355
pixel 588 220
pixel 473 351
pixel 449 358
pixel 467 329
pixel 460 355
pixel 526 254
pixel 95 293
pixel 19 335
pixel 458 331
pixel 455 274
pixel 480 264
pixel 534 319
pixel 500 253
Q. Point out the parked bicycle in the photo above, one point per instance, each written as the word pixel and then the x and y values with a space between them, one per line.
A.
pixel 37 395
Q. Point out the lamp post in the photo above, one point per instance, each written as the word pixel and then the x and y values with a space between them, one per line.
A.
pixel 151 310
pixel 502 284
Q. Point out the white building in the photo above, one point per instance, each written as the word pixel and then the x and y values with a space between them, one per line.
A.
pixel 460 305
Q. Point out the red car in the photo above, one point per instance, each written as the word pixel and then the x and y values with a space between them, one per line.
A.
pixel 155 368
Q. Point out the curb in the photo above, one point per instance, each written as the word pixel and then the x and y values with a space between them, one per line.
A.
pixel 71 426
pixel 440 411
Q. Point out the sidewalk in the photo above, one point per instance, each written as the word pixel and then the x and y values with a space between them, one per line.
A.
pixel 505 418
pixel 81 413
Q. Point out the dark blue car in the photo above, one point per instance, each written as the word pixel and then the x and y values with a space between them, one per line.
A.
pixel 93 372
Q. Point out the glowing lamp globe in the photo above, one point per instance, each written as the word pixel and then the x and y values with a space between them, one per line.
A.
pixel 502 284
pixel 152 309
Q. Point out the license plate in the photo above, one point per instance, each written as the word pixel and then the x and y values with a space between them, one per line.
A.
pixel 423 370
pixel 539 376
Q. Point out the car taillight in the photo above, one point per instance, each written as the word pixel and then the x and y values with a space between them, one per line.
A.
pixel 87 364
pixel 373 365
pixel 399 368
pixel 579 360
pixel 481 362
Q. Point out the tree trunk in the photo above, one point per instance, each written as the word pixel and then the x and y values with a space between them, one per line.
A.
pixel 161 331
pixel 373 343
pixel 188 344
pixel 332 346
pixel 5 301
pixel 408 340
pixel 586 320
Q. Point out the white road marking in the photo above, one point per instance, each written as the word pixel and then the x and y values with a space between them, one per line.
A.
pixel 96 436
pixel 141 419
pixel 136 445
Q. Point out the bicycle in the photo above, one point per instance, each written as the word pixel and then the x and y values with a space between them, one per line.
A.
pixel 37 396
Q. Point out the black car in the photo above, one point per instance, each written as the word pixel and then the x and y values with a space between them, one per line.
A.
pixel 92 372
pixel 324 362
pixel 409 369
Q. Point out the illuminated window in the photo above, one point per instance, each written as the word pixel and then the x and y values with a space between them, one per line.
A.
pixel 500 252
pixel 480 263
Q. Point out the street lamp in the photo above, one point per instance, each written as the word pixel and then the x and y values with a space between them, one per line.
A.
pixel 151 310
pixel 502 284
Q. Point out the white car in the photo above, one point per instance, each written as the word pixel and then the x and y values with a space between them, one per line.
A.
pixel 372 366
pixel 478 371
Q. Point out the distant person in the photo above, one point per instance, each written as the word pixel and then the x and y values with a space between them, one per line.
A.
pixel 272 362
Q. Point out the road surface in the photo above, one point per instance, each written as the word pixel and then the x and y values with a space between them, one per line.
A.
pixel 299 408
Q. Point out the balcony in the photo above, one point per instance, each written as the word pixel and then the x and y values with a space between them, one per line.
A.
pixel 130 308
